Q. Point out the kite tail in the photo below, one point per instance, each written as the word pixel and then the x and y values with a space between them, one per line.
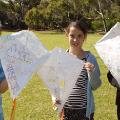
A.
pixel 12 116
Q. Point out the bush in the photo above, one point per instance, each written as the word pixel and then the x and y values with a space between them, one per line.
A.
pixel 97 25
pixel 34 19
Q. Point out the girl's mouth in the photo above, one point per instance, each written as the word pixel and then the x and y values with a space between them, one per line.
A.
pixel 75 44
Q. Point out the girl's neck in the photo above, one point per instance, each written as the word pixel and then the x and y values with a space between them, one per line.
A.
pixel 80 53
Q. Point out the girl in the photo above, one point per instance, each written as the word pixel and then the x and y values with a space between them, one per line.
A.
pixel 80 103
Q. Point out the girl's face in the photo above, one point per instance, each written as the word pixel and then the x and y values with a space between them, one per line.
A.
pixel 76 37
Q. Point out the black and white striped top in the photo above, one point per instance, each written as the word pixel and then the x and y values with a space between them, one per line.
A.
pixel 78 97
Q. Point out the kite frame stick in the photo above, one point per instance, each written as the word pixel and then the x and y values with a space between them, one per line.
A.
pixel 12 116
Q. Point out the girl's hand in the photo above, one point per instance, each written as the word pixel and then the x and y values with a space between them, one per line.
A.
pixel 56 102
pixel 3 86
pixel 89 66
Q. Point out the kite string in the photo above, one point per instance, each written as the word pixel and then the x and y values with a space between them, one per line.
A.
pixel 12 116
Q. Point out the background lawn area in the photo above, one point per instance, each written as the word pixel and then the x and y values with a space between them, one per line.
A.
pixel 34 103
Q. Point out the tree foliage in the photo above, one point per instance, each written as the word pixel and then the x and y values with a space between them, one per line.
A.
pixel 56 14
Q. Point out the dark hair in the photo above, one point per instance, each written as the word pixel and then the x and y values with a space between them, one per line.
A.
pixel 79 24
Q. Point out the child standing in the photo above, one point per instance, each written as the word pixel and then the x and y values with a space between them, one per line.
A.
pixel 80 103
pixel 114 83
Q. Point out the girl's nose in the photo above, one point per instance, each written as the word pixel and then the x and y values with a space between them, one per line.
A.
pixel 75 39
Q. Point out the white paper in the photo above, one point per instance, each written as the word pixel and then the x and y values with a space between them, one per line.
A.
pixel 109 50
pixel 60 73
pixel 20 54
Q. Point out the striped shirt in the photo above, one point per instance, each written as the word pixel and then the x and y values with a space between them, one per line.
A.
pixel 78 97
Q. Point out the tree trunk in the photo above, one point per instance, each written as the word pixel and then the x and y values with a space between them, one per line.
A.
pixel 102 16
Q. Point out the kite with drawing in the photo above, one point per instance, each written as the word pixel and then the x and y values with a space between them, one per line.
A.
pixel 57 73
pixel 108 47
pixel 20 55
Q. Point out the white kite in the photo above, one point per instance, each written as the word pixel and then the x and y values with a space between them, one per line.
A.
pixel 109 50
pixel 60 73
pixel 21 53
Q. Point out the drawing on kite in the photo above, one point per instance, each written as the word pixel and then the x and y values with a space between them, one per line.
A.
pixel 20 53
pixel 12 78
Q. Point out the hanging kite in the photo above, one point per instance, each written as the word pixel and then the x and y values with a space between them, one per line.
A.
pixel 57 74
pixel 20 57
pixel 21 53
pixel 109 50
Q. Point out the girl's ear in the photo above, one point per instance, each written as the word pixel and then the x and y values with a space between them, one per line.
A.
pixel 66 33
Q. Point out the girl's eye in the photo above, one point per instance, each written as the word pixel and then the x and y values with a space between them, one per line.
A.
pixel 72 36
pixel 79 36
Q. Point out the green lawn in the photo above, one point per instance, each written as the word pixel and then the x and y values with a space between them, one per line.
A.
pixel 34 103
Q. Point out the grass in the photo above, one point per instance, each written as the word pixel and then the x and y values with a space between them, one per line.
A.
pixel 34 102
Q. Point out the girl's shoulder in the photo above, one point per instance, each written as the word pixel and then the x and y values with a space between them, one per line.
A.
pixel 89 55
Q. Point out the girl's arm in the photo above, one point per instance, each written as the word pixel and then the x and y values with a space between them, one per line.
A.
pixel 94 75
pixel 3 86
pixel 3 81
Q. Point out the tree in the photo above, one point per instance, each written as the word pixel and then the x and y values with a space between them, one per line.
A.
pixel 55 12
pixel 34 19
pixel 17 10
pixel 102 7
pixel 114 15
